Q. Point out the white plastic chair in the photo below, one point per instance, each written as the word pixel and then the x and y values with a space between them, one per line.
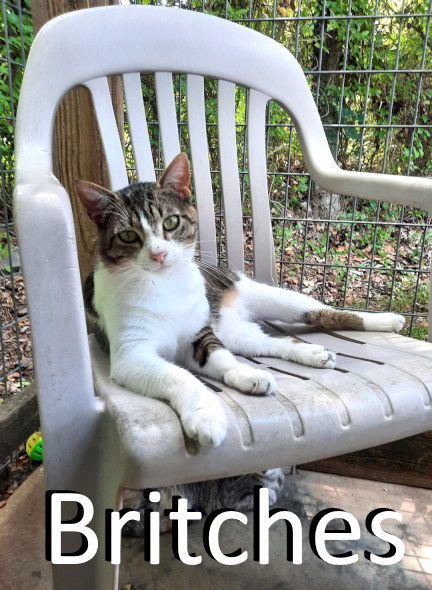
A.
pixel 96 445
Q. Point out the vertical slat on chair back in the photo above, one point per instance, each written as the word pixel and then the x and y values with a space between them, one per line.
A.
pixel 264 261
pixel 230 175
pixel 201 168
pixel 263 249
pixel 167 116
pixel 138 127
pixel 109 132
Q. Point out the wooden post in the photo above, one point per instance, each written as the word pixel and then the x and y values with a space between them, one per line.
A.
pixel 78 152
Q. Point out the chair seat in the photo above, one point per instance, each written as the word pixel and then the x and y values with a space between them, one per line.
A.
pixel 380 391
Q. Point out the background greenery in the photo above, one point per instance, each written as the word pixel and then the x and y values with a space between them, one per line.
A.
pixel 16 35
pixel 369 65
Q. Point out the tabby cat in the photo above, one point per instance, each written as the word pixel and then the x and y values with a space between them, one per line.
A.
pixel 164 316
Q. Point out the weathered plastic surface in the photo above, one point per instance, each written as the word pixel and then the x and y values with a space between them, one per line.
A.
pixel 97 445
pixel 380 391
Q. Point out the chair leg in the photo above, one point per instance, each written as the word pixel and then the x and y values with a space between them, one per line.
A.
pixel 106 574
pixel 94 472
pixel 96 574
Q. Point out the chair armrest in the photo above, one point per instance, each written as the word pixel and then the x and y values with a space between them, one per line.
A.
pixel 46 235
pixel 406 190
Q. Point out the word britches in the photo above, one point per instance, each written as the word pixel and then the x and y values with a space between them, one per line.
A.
pixel 180 516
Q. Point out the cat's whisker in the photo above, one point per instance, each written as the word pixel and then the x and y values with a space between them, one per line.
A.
pixel 218 275
pixel 199 254
pixel 208 268
pixel 217 268
pixel 206 262
pixel 237 480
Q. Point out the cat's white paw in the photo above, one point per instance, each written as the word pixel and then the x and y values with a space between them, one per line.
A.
pixel 273 480
pixel 206 422
pixel 250 380
pixel 383 322
pixel 314 355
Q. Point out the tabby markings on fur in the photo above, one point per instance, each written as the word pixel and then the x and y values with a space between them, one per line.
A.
pixel 164 315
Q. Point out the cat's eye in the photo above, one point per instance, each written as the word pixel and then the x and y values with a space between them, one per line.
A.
pixel 128 236
pixel 171 222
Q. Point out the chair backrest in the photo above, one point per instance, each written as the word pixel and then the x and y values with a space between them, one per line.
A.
pixel 86 46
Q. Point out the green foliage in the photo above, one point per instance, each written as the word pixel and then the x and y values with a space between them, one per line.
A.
pixel 4 249
pixel 357 99
pixel 15 38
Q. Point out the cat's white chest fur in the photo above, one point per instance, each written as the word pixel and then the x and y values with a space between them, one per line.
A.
pixel 167 307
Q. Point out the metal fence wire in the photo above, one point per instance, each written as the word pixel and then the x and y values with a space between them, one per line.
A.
pixel 15 343
pixel 369 66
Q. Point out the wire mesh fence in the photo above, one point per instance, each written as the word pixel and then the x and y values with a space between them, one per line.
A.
pixel 15 344
pixel 369 66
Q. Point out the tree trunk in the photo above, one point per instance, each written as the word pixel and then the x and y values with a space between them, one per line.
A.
pixel 77 147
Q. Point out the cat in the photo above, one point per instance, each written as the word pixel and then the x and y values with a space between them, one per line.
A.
pixel 164 316
pixel 236 493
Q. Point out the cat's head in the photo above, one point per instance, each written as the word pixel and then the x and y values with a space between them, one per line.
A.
pixel 150 225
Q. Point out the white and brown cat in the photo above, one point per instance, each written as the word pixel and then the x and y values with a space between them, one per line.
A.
pixel 164 316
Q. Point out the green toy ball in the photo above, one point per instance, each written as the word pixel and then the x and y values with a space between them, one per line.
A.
pixel 34 446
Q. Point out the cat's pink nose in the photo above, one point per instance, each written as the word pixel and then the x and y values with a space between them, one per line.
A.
pixel 158 256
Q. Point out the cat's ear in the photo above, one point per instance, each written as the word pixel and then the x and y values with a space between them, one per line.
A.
pixel 94 198
pixel 177 176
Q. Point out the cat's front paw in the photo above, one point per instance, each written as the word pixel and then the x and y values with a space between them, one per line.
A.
pixel 250 380
pixel 314 355
pixel 206 422
pixel 273 480
pixel 383 322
